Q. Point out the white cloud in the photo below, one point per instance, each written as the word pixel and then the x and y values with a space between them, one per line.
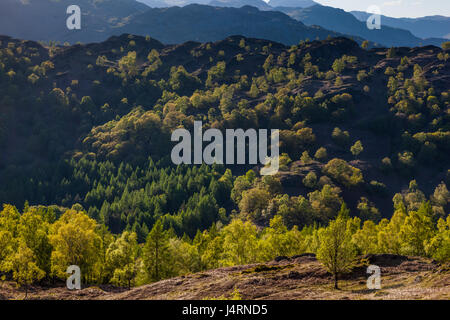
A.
pixel 392 3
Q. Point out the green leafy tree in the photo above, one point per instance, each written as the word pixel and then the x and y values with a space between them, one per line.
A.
pixel 75 242
pixel 33 230
pixel 277 240
pixel 239 243
pixel 389 239
pixel 23 267
pixel 366 238
pixel 321 154
pixel 122 257
pixel 310 180
pixel 128 65
pixel 336 251
pixel 438 247
pixel 417 230
pixel 254 202
pixel 357 148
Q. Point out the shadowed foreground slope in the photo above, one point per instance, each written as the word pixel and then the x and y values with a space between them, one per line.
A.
pixel 301 277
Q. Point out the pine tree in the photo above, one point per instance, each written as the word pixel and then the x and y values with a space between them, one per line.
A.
pixel 157 258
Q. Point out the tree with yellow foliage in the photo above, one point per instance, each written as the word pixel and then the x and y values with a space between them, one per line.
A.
pixel 75 242
pixel 239 243
pixel 366 239
pixel 9 219
pixel 438 247
pixel 389 240
pixel 122 257
pixel 277 240
pixel 23 267
pixel 33 230
pixel 336 251
pixel 417 229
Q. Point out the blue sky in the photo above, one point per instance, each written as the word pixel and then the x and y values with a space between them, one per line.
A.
pixel 395 8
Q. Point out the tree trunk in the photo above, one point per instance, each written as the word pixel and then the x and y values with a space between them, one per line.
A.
pixel 336 281
pixel 26 292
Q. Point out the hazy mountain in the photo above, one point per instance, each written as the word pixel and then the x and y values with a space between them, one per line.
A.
pixel 171 3
pixel 344 22
pixel 155 3
pixel 206 23
pixel 292 3
pixel 426 27
pixel 102 19
pixel 46 19
pixel 260 4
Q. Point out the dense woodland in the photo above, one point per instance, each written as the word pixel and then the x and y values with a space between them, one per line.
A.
pixel 35 245
pixel 87 127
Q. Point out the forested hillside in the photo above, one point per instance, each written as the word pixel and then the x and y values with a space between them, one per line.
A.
pixel 87 128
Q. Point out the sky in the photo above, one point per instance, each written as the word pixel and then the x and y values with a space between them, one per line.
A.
pixel 395 8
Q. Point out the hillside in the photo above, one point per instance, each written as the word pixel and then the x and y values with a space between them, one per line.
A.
pixel 87 109
pixel 88 177
pixel 296 278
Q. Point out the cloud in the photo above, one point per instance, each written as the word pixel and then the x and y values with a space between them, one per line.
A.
pixel 392 3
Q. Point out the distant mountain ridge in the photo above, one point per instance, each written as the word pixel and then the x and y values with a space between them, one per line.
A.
pixel 292 3
pixel 174 21
pixel 425 27
pixel 169 25
pixel 422 31
pixel 260 4
pixel 206 23
pixel 46 19
pixel 231 3
pixel 344 22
